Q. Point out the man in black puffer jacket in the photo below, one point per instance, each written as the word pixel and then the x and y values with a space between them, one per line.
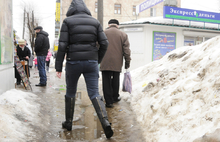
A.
pixel 41 48
pixel 78 37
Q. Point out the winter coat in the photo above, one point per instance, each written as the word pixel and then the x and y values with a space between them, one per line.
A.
pixel 35 61
pixel 79 35
pixel 31 57
pixel 49 54
pixel 21 55
pixel 31 61
pixel 118 48
pixel 42 43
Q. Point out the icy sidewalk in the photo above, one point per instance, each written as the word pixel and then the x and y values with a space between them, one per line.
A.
pixel 37 115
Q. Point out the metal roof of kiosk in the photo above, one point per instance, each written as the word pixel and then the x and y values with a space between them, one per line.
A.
pixel 175 23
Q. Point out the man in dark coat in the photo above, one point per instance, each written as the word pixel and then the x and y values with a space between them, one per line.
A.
pixel 78 37
pixel 23 54
pixel 41 48
pixel 111 65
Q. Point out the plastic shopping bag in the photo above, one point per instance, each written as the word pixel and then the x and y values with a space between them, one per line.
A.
pixel 127 84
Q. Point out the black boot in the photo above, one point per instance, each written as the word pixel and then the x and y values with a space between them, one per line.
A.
pixel 18 81
pixel 69 110
pixel 102 114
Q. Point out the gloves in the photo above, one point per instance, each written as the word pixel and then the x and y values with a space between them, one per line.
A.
pixel 127 65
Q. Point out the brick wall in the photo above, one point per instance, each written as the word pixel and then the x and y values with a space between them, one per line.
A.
pixel 126 9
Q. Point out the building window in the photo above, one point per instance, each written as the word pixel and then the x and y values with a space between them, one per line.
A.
pixel 153 12
pixel 117 8
pixel 96 7
pixel 134 10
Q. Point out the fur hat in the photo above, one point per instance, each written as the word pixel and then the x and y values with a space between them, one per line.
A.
pixel 38 27
pixel 113 21
pixel 21 42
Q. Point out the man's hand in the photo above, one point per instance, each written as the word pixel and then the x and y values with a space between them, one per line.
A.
pixel 127 65
pixel 27 57
pixel 59 74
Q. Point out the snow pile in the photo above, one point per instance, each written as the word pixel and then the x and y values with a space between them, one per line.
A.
pixel 19 112
pixel 177 98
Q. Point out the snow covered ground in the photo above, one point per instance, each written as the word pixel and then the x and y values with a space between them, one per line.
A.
pixel 177 98
pixel 19 112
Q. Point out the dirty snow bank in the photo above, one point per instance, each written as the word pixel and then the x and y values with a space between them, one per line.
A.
pixel 177 98
pixel 19 112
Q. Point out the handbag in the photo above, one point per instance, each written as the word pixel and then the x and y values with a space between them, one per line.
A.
pixel 127 83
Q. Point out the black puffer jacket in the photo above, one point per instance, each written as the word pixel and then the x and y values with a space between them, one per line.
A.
pixel 42 43
pixel 78 36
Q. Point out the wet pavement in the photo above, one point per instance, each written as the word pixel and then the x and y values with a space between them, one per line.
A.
pixel 86 126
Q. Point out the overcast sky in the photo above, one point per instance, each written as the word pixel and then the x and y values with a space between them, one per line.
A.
pixel 205 5
pixel 45 11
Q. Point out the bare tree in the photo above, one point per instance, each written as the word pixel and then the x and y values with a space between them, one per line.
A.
pixel 30 23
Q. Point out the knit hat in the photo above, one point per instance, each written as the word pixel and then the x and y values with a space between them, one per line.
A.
pixel 21 42
pixel 113 21
pixel 38 27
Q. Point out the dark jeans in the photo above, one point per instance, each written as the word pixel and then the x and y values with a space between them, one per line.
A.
pixel 41 60
pixel 110 85
pixel 89 69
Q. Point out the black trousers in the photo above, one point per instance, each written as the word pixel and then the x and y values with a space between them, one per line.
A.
pixel 110 85
pixel 48 63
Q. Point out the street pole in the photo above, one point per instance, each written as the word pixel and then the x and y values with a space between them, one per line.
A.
pixel 33 33
pixel 24 24
pixel 61 11
pixel 100 11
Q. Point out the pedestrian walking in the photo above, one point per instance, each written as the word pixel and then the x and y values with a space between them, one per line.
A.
pixel 30 62
pixel 49 54
pixel 35 62
pixel 112 62
pixel 41 48
pixel 78 37
pixel 23 54
pixel 54 54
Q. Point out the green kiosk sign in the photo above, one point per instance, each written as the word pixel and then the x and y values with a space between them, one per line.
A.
pixel 191 15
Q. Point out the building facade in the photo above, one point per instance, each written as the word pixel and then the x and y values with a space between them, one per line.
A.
pixel 152 38
pixel 6 47
pixel 123 10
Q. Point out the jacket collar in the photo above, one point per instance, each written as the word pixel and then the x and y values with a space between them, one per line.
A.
pixel 112 26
